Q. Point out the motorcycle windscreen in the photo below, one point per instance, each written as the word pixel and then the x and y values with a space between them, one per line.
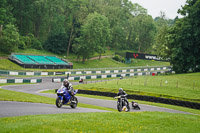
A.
pixel 61 89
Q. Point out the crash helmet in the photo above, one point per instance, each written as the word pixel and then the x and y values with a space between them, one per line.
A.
pixel 66 83
pixel 120 90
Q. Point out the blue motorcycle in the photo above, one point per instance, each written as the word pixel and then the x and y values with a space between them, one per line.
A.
pixel 64 98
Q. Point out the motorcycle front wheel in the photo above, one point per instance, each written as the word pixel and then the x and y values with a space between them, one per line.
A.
pixel 58 102
pixel 119 107
pixel 74 105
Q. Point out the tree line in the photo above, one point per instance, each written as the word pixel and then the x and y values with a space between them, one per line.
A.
pixel 84 27
pixel 79 26
pixel 181 41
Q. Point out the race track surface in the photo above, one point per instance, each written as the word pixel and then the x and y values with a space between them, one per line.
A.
pixel 10 109
pixel 47 84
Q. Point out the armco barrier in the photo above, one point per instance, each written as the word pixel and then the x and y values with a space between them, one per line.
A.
pixel 187 104
pixel 139 69
pixel 20 80
pixel 108 76
pixel 26 73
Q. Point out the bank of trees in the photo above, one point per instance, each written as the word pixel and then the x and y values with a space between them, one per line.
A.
pixel 81 24
pixel 181 42
pixel 84 27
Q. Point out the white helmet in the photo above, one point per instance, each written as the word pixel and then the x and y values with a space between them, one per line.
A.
pixel 120 89
pixel 66 83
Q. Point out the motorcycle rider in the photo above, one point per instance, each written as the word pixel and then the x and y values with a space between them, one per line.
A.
pixel 123 94
pixel 68 87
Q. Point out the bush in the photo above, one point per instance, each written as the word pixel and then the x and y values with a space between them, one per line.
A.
pixel 117 57
pixel 22 44
pixel 122 59
pixel 33 42
pixel 36 44
pixel 29 41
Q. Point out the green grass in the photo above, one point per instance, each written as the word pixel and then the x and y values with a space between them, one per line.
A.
pixel 35 51
pixel 145 122
pixel 188 86
pixel 5 64
pixel 109 63
pixel 4 84
pixel 7 95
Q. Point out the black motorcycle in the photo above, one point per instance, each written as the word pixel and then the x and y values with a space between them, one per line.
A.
pixel 122 104
pixel 135 105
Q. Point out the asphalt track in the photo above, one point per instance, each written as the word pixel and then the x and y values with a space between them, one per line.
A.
pixel 19 108
pixel 10 109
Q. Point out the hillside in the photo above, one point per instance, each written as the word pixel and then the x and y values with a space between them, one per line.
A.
pixel 6 64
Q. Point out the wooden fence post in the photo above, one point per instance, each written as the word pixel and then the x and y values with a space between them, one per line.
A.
pixel 193 84
pixel 161 83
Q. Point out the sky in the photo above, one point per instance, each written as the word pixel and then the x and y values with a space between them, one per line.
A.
pixel 170 7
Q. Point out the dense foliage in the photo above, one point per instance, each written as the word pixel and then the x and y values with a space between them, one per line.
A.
pixel 127 25
pixel 181 42
pixel 56 43
pixel 95 35
pixel 84 27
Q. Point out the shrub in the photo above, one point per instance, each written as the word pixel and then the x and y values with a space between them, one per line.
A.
pixel 116 57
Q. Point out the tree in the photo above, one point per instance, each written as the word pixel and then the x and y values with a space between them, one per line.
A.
pixel 9 39
pixel 95 34
pixel 6 17
pixel 45 18
pixel 182 42
pixel 162 24
pixel 145 29
pixel 56 43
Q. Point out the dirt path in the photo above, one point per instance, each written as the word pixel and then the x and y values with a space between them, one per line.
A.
pixel 3 57
pixel 94 58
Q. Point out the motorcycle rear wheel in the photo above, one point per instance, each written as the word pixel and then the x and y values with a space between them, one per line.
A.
pixel 138 108
pixel 128 107
pixel 58 102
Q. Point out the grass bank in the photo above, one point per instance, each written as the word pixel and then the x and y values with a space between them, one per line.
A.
pixel 109 63
pixel 145 122
pixel 7 95
pixel 6 64
pixel 181 86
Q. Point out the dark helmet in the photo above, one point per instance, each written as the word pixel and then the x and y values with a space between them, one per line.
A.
pixel 66 83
